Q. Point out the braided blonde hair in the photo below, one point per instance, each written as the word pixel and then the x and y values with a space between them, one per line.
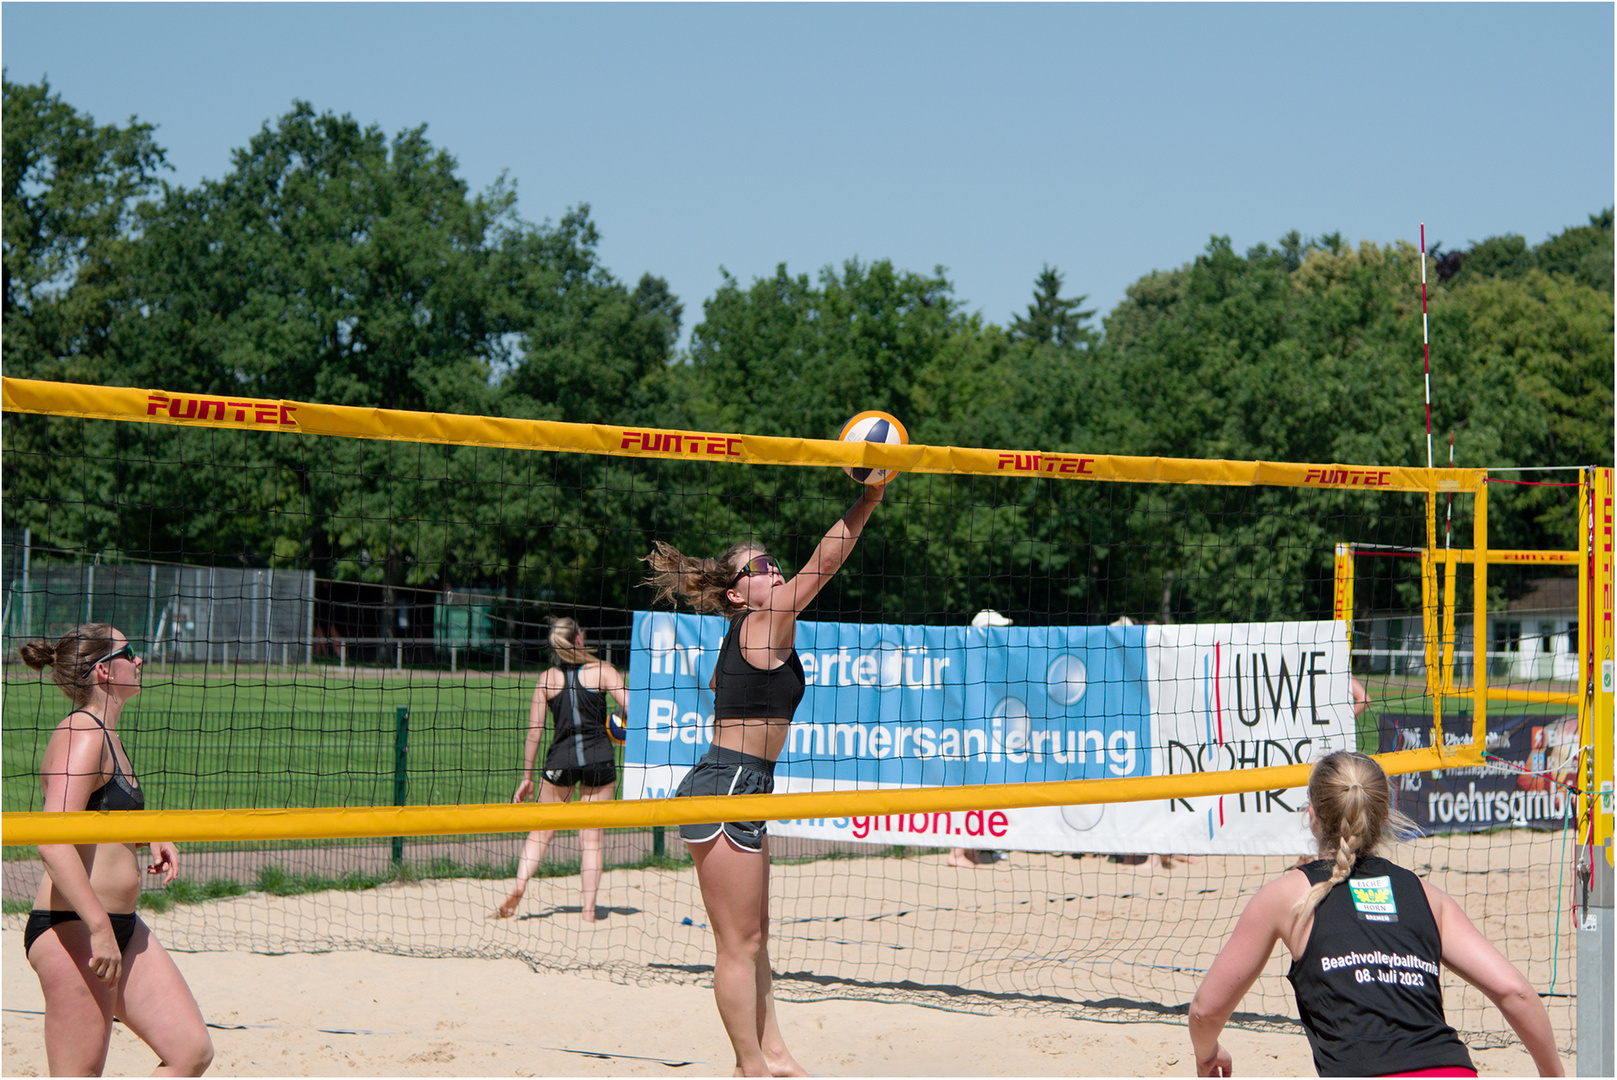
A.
pixel 702 583
pixel 1354 811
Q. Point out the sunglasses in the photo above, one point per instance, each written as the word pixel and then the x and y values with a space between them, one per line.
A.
pixel 127 652
pixel 758 564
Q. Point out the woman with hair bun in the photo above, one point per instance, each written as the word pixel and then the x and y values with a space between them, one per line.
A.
pixel 94 956
pixel 1366 937
pixel 574 692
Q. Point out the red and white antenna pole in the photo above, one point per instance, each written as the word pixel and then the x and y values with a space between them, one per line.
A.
pixel 1426 345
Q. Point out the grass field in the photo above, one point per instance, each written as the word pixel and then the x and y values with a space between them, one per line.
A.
pixel 318 737
pixel 332 737
pixel 322 737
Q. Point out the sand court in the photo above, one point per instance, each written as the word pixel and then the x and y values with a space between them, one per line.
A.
pixel 414 980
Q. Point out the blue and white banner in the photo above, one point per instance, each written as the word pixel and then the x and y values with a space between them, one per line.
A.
pixel 932 706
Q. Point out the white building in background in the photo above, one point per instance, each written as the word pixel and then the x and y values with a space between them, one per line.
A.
pixel 1532 639
pixel 1536 637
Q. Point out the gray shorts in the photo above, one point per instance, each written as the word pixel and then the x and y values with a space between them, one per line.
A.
pixel 723 771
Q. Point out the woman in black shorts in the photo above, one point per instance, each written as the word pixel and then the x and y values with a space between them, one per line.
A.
pixel 574 692
pixel 757 684
pixel 93 955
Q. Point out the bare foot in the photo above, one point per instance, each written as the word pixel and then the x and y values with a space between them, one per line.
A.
pixel 785 1066
pixel 962 857
pixel 508 908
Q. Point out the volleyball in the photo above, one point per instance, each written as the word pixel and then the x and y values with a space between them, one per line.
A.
pixel 616 729
pixel 873 426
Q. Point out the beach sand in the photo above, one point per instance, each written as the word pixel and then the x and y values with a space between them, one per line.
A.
pixel 357 1013
pixel 412 978
pixel 366 1014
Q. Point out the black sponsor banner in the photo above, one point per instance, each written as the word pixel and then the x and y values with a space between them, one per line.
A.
pixel 1521 789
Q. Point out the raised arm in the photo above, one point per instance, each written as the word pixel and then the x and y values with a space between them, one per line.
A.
pixel 788 601
pixel 1473 958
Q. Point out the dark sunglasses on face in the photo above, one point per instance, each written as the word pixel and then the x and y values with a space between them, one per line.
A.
pixel 758 564
pixel 127 652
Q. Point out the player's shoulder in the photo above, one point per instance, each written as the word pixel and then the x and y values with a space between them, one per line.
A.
pixel 1439 901
pixel 81 726
pixel 1282 893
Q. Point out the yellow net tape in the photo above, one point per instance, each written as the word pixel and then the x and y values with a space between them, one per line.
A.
pixel 253 414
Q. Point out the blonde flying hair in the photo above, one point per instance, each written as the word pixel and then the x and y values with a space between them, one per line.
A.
pixel 702 583
pixel 72 659
pixel 1354 811
pixel 564 644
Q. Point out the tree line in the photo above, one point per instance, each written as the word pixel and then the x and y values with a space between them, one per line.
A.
pixel 332 263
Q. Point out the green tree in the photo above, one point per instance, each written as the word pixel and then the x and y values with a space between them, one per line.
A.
pixel 71 187
pixel 330 265
pixel 785 357
pixel 1582 253
pixel 589 346
pixel 794 358
pixel 1051 320
pixel 1536 377
pixel 327 265
pixel 1262 357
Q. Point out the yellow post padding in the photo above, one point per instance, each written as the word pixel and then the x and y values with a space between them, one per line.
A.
pixel 1598 619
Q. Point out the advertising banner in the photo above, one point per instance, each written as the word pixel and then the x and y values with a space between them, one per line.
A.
pixel 910 706
pixel 1537 756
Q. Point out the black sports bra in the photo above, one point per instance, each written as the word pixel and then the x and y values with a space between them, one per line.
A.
pixel 744 692
pixel 118 793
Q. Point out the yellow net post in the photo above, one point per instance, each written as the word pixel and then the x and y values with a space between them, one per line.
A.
pixel 1595 723
pixel 1479 623
pixel 1595 604
pixel 1451 566
pixel 1343 596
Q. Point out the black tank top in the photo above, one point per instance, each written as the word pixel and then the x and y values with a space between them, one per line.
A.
pixel 580 737
pixel 118 793
pixel 744 692
pixel 1367 982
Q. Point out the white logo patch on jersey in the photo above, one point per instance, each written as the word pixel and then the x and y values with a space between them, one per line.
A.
pixel 1372 898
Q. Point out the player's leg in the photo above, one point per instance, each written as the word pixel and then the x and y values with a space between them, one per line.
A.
pixel 770 1040
pixel 734 891
pixel 592 856
pixel 533 851
pixel 155 1003
pixel 78 1006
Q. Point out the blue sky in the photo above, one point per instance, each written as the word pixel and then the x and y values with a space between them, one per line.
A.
pixel 991 139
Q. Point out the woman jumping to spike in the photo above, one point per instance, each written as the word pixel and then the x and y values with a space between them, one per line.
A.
pixel 757 684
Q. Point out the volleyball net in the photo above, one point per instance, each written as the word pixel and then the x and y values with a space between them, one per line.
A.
pixel 1105 675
